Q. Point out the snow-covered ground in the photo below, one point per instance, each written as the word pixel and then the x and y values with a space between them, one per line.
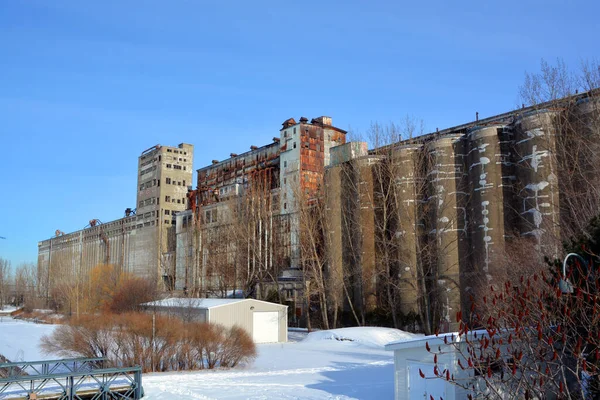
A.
pixel 19 339
pixel 337 364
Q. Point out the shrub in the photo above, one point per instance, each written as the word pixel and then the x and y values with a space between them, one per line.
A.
pixel 159 345
pixel 130 294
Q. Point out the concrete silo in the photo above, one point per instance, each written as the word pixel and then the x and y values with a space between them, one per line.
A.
pixel 407 165
pixel 446 222
pixel 486 200
pixel 536 192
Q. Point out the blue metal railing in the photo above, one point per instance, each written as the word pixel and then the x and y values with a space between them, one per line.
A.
pixel 71 379
pixel 46 367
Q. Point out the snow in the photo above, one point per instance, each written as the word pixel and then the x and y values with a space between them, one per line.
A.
pixel 347 363
pixel 313 365
pixel 366 336
pixel 191 302
pixel 8 309
pixel 19 339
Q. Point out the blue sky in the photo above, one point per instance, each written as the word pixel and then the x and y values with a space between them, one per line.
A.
pixel 85 86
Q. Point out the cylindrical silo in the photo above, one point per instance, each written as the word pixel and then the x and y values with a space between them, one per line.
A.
pixel 536 188
pixel 486 227
pixel 408 175
pixel 446 223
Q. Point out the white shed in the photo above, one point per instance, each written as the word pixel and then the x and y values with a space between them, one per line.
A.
pixel 411 356
pixel 265 322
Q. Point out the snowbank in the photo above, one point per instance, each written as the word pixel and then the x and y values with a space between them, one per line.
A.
pixel 367 336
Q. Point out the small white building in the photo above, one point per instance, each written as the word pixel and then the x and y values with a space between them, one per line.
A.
pixel 411 356
pixel 265 322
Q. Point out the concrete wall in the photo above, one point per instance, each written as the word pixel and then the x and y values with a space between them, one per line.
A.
pixel 123 243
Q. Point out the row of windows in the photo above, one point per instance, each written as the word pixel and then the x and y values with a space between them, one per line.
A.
pixel 147 202
pixel 177 152
pixel 154 182
pixel 148 184
pixel 176 159
pixel 168 199
pixel 174 166
pixel 210 216
pixel 168 181
pixel 148 170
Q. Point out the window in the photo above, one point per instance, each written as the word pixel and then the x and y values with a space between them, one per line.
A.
pixel 184 182
pixel 178 183
pixel 294 130
pixel 167 198
pixel 294 144
pixel 183 200
pixel 168 150
pixel 167 221
pixel 168 181
pixel 184 168
pixel 318 147
pixel 141 187
pixel 178 201
pixel 284 181
pixel 159 158
pixel 167 212
pixel 158 198
pixel 168 165
pixel 285 206
pixel 285 164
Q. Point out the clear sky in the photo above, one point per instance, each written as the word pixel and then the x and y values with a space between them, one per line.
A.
pixel 86 86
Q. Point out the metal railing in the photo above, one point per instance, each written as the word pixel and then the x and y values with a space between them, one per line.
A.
pixel 71 379
pixel 47 367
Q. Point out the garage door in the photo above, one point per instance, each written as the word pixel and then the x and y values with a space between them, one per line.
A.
pixel 266 327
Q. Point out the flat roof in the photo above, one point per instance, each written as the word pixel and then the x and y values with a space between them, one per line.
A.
pixel 433 339
pixel 187 302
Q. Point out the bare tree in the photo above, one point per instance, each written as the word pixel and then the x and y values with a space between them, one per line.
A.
pixel 26 285
pixel 4 281
pixel 319 278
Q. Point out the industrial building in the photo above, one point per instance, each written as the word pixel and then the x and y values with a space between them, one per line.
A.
pixel 415 227
pixel 142 242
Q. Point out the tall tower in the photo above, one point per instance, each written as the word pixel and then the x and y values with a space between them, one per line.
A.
pixel 164 174
pixel 304 154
